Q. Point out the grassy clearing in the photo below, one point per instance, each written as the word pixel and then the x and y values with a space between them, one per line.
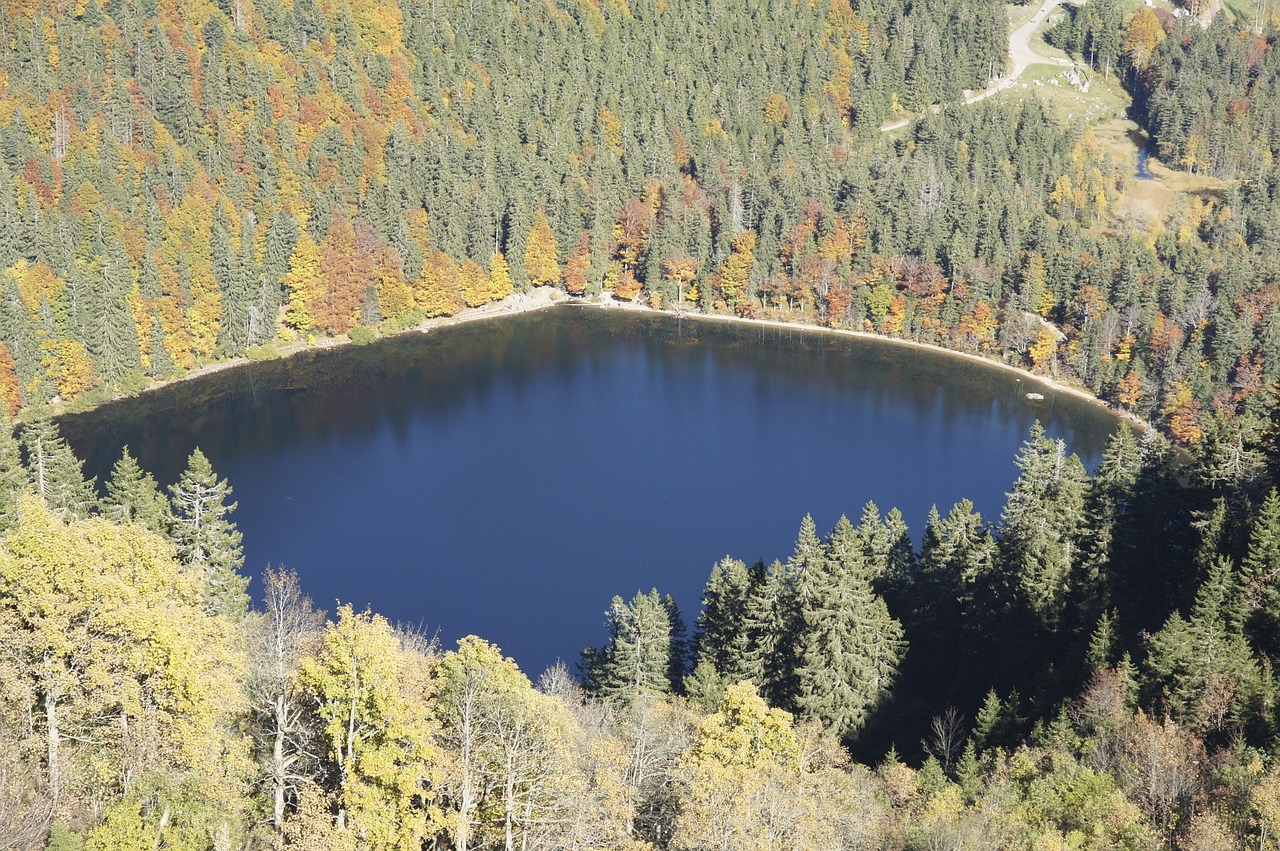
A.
pixel 1105 109
pixel 1147 201
pixel 1105 100
pixel 1020 14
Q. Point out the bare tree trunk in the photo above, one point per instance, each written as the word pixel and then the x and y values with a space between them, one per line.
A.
pixel 54 736
pixel 279 770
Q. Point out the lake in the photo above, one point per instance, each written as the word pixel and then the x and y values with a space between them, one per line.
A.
pixel 508 477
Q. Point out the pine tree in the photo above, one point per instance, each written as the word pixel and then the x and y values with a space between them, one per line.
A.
pixel 987 730
pixel 1109 504
pixel 1042 524
pixel 721 637
pixel 13 476
pixel 282 235
pixel 850 647
pixel 679 660
pixel 764 627
pixel 117 358
pixel 232 272
pixel 637 660
pixel 1260 577
pixel 796 586
pixel 1200 666
pixel 55 473
pixel 208 541
pixel 134 497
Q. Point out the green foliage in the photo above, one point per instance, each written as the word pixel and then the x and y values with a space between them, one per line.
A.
pixel 812 633
pixel 638 660
pixel 134 684
pixel 207 539
pixel 55 473
pixel 134 497
pixel 262 172
pixel 63 838
pixel 848 647
pixel 123 684
pixel 365 689
pixel 266 351
pixel 362 336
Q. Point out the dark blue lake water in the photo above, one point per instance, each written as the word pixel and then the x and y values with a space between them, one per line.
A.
pixel 507 478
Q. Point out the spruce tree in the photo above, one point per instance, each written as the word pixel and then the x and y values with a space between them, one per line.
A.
pixel 13 476
pixel 1109 508
pixel 207 539
pixel 636 662
pixel 721 637
pixel 1042 525
pixel 987 730
pixel 55 473
pixel 134 497
pixel 796 586
pixel 1199 665
pixel 849 647
pixel 679 658
pixel 764 629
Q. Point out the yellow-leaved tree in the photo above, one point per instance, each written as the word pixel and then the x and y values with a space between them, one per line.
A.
pixel 475 284
pixel 369 692
pixel 514 766
pixel 754 781
pixel 737 268
pixel 302 282
pixel 1144 36
pixel 499 277
pixel 541 255
pixel 122 687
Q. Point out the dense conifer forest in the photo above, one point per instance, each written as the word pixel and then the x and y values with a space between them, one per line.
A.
pixel 186 183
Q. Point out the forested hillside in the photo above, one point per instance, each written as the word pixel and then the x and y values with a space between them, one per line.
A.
pixel 187 182
pixel 184 181
pixel 181 184
pixel 1091 670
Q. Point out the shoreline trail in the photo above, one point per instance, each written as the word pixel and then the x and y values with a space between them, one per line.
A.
pixel 541 298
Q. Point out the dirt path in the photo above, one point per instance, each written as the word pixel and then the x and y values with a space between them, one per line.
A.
pixel 543 297
pixel 1021 57
pixel 534 299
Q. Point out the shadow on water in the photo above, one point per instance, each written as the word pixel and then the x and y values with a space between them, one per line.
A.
pixel 507 478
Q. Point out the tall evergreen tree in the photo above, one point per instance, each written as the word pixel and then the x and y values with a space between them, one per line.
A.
pixel 1260 577
pixel 134 497
pixel 56 474
pixel 13 476
pixel 208 540
pixel 637 661
pixel 1199 666
pixel 1040 535
pixel 798 584
pixel 849 647
pixel 721 637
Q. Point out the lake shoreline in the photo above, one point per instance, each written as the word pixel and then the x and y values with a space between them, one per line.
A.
pixel 1020 372
pixel 542 298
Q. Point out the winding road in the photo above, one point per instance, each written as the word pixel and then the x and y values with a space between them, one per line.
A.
pixel 1021 57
